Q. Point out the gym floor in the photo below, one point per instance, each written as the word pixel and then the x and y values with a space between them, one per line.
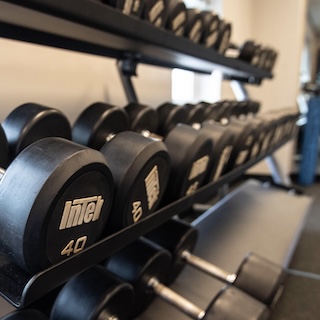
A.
pixel 301 295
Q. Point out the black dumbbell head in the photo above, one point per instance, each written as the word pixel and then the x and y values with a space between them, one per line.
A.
pixel 261 129
pixel 31 122
pixel 176 237
pixel 155 12
pixel 226 110
pixel 194 27
pixel 245 137
pixel 97 123
pixel 196 112
pixel 211 110
pixel 233 304
pixel 190 152
pixel 140 167
pixel 177 17
pixel 241 109
pixel 224 140
pixel 249 52
pixel 142 117
pixel 170 115
pixel 92 295
pixel 55 201
pixel 224 37
pixel 137 263
pixel 256 269
pixel 4 149
pixel 210 29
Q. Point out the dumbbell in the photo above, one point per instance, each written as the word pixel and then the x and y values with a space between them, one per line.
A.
pixel 271 119
pixel 146 265
pixel 140 166
pixel 55 200
pixel 29 314
pixel 223 139
pixel 256 275
pixel 229 111
pixel 190 150
pixel 95 294
pixel 257 55
pixel 284 126
pixel 261 127
pixel 210 32
pixel 272 130
pixel 155 12
pixel 194 28
pixel 177 17
pixel 250 51
pixel 224 37
pixel 31 122
pixel 226 110
pixel 267 59
pixel 245 133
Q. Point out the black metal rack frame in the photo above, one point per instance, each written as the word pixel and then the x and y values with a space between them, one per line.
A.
pixel 91 27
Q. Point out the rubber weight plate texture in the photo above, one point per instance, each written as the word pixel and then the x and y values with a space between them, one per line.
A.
pixel 31 122
pixel 140 167
pixel 55 200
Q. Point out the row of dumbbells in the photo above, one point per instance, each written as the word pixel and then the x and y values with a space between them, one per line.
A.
pixel 124 285
pixel 58 197
pixel 261 56
pixel 203 27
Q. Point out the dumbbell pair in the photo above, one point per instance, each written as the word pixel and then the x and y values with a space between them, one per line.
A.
pixel 256 276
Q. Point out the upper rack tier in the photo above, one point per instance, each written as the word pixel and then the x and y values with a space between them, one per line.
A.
pixel 91 27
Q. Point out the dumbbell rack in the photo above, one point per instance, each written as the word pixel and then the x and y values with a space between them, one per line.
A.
pixel 88 26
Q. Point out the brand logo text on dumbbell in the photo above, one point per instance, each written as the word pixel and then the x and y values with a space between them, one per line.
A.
pixel 152 184
pixel 199 167
pixel 80 211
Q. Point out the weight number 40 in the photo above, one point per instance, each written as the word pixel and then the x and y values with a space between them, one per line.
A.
pixel 74 246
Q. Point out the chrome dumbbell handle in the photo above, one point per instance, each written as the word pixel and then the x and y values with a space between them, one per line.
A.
pixel 176 300
pixel 208 268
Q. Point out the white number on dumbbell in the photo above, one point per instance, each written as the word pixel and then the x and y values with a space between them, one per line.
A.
pixel 74 246
pixel 136 211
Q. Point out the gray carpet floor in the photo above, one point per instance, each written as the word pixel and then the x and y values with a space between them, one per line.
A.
pixel 301 296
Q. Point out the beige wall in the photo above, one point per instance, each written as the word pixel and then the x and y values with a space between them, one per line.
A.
pixel 68 80
pixel 271 23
